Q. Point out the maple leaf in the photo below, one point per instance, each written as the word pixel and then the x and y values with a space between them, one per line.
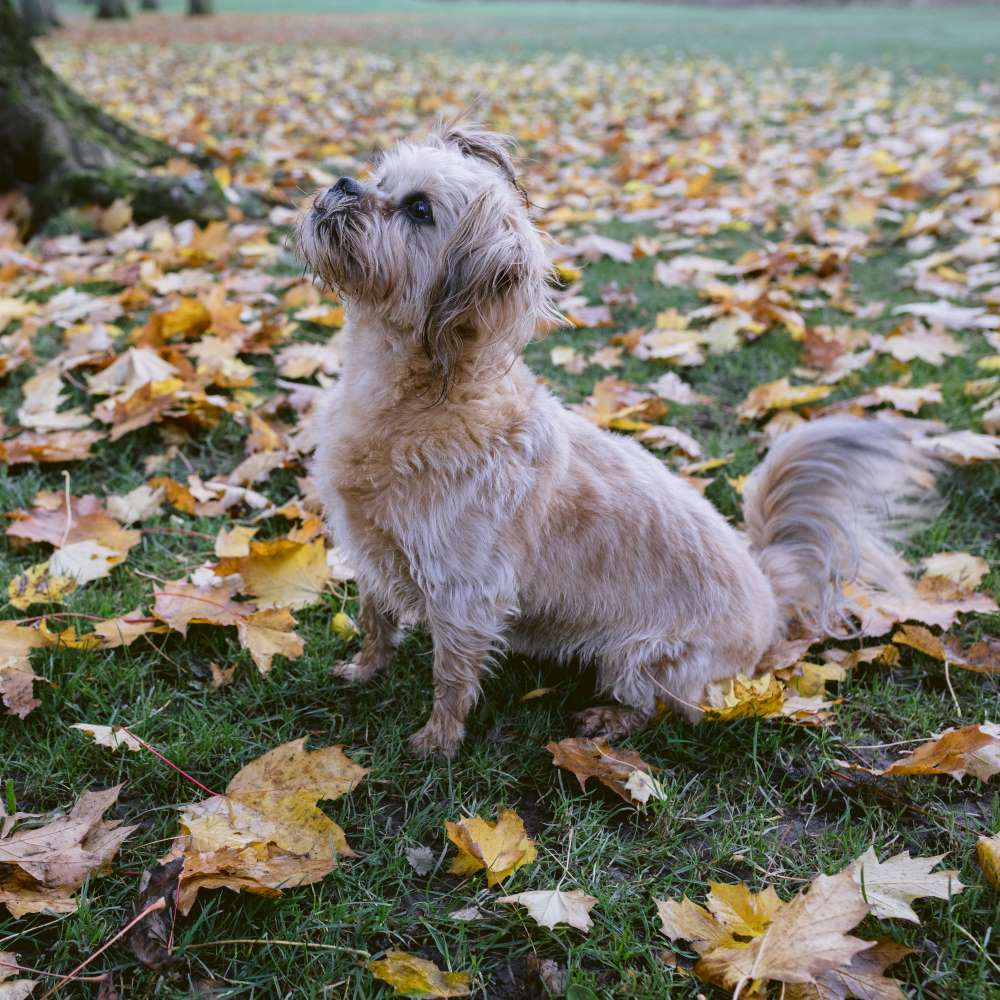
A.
pixel 180 604
pixel 61 446
pixel 861 977
pixel 281 573
pixel 964 570
pixel 112 737
pixel 500 848
pixel 981 657
pixel 549 907
pixel 269 633
pixel 971 750
pixel 37 585
pixel 964 447
pixel 613 767
pixel 744 697
pixel 890 886
pixel 266 833
pixel 804 938
pixel 85 520
pixel 779 395
pixel 41 866
pixel 416 977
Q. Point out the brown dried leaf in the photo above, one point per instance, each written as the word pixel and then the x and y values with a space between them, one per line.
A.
pixel 587 758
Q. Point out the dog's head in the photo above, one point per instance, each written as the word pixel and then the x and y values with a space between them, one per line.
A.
pixel 437 243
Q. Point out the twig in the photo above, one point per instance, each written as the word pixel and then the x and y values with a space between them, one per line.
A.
pixel 169 763
pixel 152 908
pixel 58 975
pixel 896 800
pixel 175 531
pixel 69 511
pixel 947 679
pixel 981 947
pixel 290 944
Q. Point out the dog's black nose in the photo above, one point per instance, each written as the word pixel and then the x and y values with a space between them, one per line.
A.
pixel 348 186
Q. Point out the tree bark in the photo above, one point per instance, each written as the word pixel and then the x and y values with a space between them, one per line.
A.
pixel 39 16
pixel 61 150
pixel 197 8
pixel 111 9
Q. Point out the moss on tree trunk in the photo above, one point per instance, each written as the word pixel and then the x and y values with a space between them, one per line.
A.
pixel 60 150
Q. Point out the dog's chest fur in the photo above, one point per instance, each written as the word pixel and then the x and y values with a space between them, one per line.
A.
pixel 405 482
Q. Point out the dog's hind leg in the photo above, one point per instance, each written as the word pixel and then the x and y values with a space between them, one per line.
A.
pixel 380 636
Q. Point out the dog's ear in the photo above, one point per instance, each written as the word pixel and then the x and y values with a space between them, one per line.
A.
pixel 491 284
pixel 475 141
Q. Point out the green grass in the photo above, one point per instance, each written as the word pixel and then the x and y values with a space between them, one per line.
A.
pixel 747 800
pixel 963 41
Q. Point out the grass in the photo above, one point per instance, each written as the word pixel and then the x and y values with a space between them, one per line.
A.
pixel 958 40
pixel 746 800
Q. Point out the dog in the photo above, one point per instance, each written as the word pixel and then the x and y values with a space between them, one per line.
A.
pixel 470 500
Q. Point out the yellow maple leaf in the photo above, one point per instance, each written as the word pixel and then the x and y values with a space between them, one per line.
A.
pixel 266 833
pixel 744 697
pixel 412 976
pixel 500 848
pixel 281 573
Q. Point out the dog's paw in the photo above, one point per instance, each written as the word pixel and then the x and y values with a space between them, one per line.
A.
pixel 357 670
pixel 608 722
pixel 434 738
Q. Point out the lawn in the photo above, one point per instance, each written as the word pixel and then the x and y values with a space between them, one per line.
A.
pixel 776 158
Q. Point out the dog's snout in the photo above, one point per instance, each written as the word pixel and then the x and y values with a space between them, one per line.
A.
pixel 348 186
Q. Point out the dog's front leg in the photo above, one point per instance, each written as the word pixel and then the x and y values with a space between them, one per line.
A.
pixel 463 638
pixel 380 635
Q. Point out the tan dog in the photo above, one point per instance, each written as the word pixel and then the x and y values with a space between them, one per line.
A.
pixel 470 500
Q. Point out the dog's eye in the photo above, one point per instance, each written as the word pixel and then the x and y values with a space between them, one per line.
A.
pixel 419 209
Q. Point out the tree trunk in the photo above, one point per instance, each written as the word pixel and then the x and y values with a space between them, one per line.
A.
pixel 39 16
pixel 60 150
pixel 108 10
pixel 198 8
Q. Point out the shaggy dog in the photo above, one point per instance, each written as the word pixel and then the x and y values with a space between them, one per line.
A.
pixel 470 500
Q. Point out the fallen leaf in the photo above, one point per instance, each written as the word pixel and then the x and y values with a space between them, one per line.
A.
pixel 964 447
pixel 890 886
pixel 416 977
pixel 780 395
pixel 421 859
pixel 269 633
pixel 964 570
pixel 41 866
pixel 614 768
pixel 266 833
pixel 549 907
pixel 281 573
pixel 112 737
pixel 743 697
pixel 500 848
pixel 181 604
pixel 981 657
pixel 14 989
pixel 971 750
pixel 988 854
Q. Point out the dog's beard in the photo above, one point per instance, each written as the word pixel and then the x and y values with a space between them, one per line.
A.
pixel 335 241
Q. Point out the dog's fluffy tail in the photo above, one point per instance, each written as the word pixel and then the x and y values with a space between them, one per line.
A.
pixel 825 507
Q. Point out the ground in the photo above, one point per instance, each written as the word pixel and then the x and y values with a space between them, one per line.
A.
pixel 755 800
